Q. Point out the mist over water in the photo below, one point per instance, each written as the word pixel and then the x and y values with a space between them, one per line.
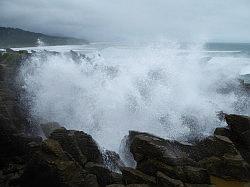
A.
pixel 159 89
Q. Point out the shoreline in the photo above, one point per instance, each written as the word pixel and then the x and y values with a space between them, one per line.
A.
pixel 48 154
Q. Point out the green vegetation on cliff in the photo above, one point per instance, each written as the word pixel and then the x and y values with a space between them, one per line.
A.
pixel 12 37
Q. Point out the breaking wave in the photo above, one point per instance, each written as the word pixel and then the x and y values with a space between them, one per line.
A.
pixel 160 89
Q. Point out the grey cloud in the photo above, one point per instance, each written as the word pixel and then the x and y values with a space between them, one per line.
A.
pixel 219 20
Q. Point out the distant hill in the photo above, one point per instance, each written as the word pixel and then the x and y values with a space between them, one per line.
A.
pixel 13 37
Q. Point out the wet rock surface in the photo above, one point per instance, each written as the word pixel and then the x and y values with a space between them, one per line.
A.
pixel 48 128
pixel 69 158
pixel 133 176
pixel 240 133
pixel 215 155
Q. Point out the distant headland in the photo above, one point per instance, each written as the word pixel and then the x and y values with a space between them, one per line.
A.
pixel 14 37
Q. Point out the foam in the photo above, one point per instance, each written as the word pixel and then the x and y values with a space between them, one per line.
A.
pixel 157 89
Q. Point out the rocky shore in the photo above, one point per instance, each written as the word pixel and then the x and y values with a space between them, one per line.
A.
pixel 50 155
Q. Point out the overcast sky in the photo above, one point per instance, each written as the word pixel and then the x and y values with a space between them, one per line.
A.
pixel 103 20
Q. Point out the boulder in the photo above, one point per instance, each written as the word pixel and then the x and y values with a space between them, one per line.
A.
pixel 240 128
pixel 103 174
pixel 51 166
pixel 79 145
pixel 15 147
pixel 227 167
pixel 199 185
pixel 189 174
pixel 238 123
pixel 140 185
pixel 214 146
pixel 88 147
pixel 240 132
pixel 10 175
pixel 184 173
pixel 223 131
pixel 165 181
pixel 216 155
pixel 21 142
pixel 133 176
pixel 90 180
pixel 145 146
pixel 69 144
pixel 130 185
pixel 115 185
pixel 151 166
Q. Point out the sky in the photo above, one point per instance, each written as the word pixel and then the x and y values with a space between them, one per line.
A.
pixel 119 20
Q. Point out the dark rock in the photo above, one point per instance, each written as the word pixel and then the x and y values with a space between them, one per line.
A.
pixel 240 127
pixel 214 146
pixel 21 141
pixel 9 50
pixel 140 185
pixel 15 147
pixel 79 145
pixel 227 167
pixel 103 174
pixel 115 185
pixel 174 159
pixel 88 147
pixel 184 173
pixel 51 166
pixel 90 181
pixel 2 72
pixel 165 181
pixel 69 144
pixel 130 185
pixel 191 174
pixel 151 166
pixel 11 111
pixel 145 146
pixel 218 154
pixel 10 175
pixel 116 178
pixel 199 185
pixel 245 137
pixel 222 131
pixel 23 52
pixel 238 123
pixel 132 176
pixel 48 128
pixel 53 149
